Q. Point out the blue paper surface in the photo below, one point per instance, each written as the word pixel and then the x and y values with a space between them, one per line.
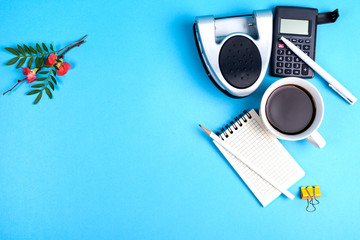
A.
pixel 118 154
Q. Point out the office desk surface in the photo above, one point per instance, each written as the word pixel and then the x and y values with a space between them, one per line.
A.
pixel 118 154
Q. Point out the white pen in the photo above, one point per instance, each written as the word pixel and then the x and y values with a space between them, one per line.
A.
pixel 333 83
pixel 250 165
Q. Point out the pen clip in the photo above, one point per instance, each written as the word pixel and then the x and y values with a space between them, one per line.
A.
pixel 347 99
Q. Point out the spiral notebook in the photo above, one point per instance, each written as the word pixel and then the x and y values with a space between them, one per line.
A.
pixel 248 135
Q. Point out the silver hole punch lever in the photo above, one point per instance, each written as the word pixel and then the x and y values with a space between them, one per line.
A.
pixel 235 51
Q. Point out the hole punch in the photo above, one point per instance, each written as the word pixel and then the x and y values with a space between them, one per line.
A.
pixel 224 42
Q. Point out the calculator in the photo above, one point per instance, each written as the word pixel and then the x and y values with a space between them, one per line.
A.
pixel 298 25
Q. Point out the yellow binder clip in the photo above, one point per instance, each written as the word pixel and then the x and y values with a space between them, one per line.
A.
pixel 311 194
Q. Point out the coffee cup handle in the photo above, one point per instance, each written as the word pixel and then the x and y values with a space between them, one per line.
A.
pixel 316 139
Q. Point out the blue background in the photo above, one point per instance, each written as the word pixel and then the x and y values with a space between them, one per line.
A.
pixel 118 154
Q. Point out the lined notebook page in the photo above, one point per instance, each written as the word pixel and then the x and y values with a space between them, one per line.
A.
pixel 263 149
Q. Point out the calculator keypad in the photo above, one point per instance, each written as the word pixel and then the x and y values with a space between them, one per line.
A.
pixel 288 64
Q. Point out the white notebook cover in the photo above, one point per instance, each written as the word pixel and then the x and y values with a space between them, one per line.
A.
pixel 264 150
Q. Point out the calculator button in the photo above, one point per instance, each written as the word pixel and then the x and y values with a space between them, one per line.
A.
pixel 281 45
pixel 300 40
pixel 288 65
pixel 307 53
pixel 288 59
pixel 288 52
pixel 304 69
pixel 307 41
pixel 280 64
pixel 279 71
pixel 296 59
pixel 280 51
pixel 293 40
pixel 280 58
pixel 296 72
pixel 306 47
pixel 299 46
pixel 287 71
pixel 296 65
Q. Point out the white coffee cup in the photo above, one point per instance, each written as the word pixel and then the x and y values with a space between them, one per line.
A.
pixel 310 133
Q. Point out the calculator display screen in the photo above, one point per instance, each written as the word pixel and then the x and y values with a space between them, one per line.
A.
pixel 294 26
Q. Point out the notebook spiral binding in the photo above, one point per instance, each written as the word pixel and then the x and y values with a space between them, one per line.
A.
pixel 236 124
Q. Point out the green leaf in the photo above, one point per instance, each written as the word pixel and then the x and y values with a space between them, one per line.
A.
pixel 21 62
pixel 48 92
pixel 40 79
pixel 38 48
pixel 33 92
pixel 13 51
pixel 52 48
pixel 27 49
pixel 37 62
pixel 21 50
pixel 44 47
pixel 13 61
pixel 30 62
pixel 42 60
pixel 54 80
pixel 54 72
pixel 44 72
pixel 47 66
pixel 33 50
pixel 37 85
pixel 56 67
pixel 51 85
pixel 38 97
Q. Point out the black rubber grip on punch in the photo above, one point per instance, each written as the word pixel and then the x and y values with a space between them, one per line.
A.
pixel 240 62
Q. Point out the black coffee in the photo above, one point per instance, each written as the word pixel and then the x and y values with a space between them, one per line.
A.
pixel 290 109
